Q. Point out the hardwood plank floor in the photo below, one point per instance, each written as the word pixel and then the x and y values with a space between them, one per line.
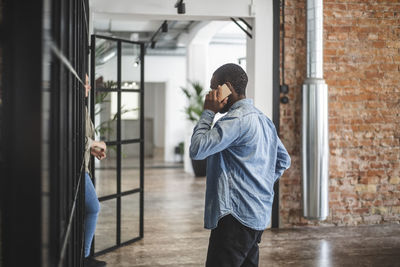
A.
pixel 174 234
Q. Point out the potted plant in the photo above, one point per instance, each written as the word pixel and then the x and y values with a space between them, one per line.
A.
pixel 193 110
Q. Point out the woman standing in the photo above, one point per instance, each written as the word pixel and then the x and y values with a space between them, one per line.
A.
pixel 92 205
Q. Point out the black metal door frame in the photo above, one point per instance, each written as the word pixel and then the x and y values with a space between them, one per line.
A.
pixel 120 142
pixel 276 99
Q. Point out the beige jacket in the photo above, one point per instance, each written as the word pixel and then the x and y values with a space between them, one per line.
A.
pixel 88 140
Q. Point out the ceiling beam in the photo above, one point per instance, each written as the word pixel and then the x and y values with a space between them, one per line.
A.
pixel 165 10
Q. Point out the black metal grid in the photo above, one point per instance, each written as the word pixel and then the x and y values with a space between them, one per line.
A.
pixel 119 195
pixel 45 60
pixel 69 63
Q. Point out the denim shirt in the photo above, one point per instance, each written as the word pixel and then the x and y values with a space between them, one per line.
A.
pixel 245 158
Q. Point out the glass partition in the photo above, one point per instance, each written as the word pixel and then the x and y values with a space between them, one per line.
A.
pixel 117 110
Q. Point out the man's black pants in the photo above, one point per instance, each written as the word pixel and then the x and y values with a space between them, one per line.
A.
pixel 233 245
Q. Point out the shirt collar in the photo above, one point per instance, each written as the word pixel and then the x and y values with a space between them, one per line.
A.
pixel 242 102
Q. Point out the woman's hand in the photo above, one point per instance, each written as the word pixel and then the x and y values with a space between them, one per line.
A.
pixel 99 154
pixel 99 145
pixel 87 86
pixel 98 149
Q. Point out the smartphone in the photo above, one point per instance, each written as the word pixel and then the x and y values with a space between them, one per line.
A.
pixel 223 92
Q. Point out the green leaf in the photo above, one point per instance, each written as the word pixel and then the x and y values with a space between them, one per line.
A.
pixel 195 96
pixel 186 92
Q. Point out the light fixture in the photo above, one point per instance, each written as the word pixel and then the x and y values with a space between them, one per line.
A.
pixel 180 5
pixel 134 37
pixel 284 100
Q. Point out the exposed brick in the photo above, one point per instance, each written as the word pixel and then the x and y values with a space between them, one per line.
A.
pixel 379 210
pixel 372 219
pixel 394 180
pixel 369 180
pixel 362 70
pixel 370 188
pixel 395 210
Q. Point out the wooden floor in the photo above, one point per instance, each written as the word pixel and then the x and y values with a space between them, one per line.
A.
pixel 174 234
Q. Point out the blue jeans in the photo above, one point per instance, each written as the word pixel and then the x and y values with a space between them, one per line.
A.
pixel 92 209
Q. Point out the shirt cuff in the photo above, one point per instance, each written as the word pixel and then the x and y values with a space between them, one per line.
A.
pixel 208 115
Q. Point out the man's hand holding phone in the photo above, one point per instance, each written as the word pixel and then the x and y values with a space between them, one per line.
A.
pixel 216 99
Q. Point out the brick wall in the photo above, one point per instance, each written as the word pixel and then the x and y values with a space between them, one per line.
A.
pixel 362 70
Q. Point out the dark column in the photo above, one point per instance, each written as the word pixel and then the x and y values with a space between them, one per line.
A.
pixel 276 101
pixel 21 191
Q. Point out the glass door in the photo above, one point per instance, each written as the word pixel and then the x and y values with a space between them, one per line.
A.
pixel 117 97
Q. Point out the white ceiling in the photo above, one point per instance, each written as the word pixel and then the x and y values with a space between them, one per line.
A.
pixel 118 18
pixel 165 9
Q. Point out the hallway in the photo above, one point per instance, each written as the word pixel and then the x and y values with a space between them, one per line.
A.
pixel 173 223
pixel 174 234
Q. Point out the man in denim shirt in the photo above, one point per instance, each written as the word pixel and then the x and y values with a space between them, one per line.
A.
pixel 245 158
